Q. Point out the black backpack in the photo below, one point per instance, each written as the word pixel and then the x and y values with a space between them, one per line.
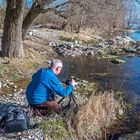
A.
pixel 13 118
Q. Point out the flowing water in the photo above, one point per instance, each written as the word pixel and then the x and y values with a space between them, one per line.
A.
pixel 134 35
pixel 123 77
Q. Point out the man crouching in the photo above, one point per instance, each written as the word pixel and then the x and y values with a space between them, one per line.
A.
pixel 43 85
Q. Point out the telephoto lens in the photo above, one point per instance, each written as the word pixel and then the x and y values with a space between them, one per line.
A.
pixel 67 82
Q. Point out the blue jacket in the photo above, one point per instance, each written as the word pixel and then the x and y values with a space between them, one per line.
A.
pixel 43 84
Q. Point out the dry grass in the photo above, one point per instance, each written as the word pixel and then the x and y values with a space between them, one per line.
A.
pixel 85 36
pixel 93 118
pixel 19 71
pixel 37 53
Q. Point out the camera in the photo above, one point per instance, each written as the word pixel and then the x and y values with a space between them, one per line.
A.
pixel 67 82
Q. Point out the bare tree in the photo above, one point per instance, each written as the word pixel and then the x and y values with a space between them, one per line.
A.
pixel 12 45
pixel 78 13
pixel 105 15
pixel 43 6
pixel 37 8
pixel 131 14
pixel 12 36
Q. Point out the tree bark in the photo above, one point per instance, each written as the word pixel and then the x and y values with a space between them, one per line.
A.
pixel 28 20
pixel 36 9
pixel 12 45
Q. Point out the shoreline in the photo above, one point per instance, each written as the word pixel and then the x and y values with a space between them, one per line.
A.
pixel 101 49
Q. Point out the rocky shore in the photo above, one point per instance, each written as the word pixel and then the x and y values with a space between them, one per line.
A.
pixel 102 47
pixel 59 127
pixel 36 133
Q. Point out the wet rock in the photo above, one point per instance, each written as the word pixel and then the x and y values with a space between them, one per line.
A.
pixel 102 74
pixel 130 50
pixel 118 61
pixel 130 55
pixel 124 40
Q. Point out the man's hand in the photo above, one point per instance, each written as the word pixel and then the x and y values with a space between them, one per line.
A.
pixel 72 82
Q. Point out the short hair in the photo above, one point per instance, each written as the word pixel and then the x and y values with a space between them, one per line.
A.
pixel 56 63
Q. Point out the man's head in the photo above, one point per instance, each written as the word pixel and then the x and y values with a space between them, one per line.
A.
pixel 56 65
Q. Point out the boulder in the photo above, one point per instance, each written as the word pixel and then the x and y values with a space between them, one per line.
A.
pixel 124 40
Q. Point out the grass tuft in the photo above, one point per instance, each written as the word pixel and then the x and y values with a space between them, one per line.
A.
pixel 55 128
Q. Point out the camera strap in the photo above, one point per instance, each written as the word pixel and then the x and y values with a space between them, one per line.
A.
pixel 71 98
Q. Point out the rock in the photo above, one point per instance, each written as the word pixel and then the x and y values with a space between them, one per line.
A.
pixel 52 44
pixel 102 47
pixel 118 61
pixel 7 81
pixel 15 86
pixel 11 83
pixel 76 42
pixel 48 62
pixel 102 74
pixel 130 55
pixel 129 50
pixel 137 47
pixel 30 33
pixel 129 39
pixel 124 40
pixel 100 44
pixel 121 112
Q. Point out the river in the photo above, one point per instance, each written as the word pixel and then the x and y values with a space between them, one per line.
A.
pixel 135 35
pixel 122 77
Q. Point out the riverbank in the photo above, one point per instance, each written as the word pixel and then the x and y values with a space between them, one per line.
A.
pixel 87 43
pixel 41 45
pixel 15 76
pixel 106 108
pixel 101 48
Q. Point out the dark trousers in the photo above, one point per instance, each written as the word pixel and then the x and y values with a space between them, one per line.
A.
pixel 46 108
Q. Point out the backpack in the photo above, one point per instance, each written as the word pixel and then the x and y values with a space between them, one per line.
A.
pixel 13 118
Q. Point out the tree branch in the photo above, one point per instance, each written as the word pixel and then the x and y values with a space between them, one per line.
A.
pixel 63 4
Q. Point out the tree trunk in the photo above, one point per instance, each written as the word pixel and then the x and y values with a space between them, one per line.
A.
pixel 12 45
pixel 36 9
pixel 28 20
